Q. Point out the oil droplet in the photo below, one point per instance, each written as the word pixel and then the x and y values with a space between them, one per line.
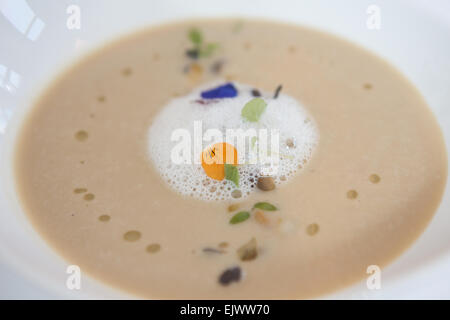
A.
pixel 312 229
pixel 374 178
pixel 223 244
pixel 155 56
pixel 292 49
pixel 236 194
pixel 153 248
pixel 101 98
pixel 79 190
pixel 367 86
pixel 81 135
pixel 89 197
pixel 132 235
pixel 104 218
pixel 127 72
pixel 352 194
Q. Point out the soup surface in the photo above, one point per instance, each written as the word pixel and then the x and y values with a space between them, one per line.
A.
pixel 373 182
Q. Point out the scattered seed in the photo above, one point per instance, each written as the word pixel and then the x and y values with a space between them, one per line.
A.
pixel 368 86
pixel 81 135
pixel 248 251
pixel 193 53
pixel 223 245
pixel 230 275
pixel 277 91
pixel 261 218
pixel 153 248
pixel 374 178
pixel 104 218
pixel 101 98
pixel 195 72
pixel 266 183
pixel 217 66
pixel 256 93
pixel 233 207
pixel 352 194
pixel 212 250
pixel 312 229
pixel 132 236
pixel 290 143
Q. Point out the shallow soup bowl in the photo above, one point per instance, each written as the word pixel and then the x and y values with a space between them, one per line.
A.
pixel 40 39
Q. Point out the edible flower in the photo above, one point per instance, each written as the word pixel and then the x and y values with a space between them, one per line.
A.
pixel 224 91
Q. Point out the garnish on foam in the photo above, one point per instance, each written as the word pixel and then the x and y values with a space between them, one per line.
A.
pixel 216 160
pixel 223 171
pixel 224 91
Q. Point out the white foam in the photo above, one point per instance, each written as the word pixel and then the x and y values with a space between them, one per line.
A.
pixel 284 113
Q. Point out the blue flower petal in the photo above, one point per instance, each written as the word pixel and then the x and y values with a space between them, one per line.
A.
pixel 225 91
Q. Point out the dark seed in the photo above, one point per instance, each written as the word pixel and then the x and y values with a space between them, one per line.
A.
pixel 256 93
pixel 217 66
pixel 277 91
pixel 266 183
pixel 213 250
pixel 193 53
pixel 248 251
pixel 230 275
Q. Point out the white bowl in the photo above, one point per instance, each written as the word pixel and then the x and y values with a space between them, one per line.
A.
pixel 36 44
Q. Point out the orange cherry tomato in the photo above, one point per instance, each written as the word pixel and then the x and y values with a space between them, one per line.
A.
pixel 214 158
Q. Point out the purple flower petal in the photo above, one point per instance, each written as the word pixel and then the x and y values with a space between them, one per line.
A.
pixel 225 91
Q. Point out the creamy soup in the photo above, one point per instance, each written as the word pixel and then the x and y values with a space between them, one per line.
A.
pixel 93 190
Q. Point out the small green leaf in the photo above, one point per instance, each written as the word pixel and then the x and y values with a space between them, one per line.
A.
pixel 240 217
pixel 265 206
pixel 208 50
pixel 253 109
pixel 196 37
pixel 232 173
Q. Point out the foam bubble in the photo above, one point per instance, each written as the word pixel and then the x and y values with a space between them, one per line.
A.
pixel 298 136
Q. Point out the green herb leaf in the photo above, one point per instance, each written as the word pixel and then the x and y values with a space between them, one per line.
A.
pixel 232 173
pixel 265 206
pixel 253 109
pixel 208 50
pixel 196 37
pixel 240 217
